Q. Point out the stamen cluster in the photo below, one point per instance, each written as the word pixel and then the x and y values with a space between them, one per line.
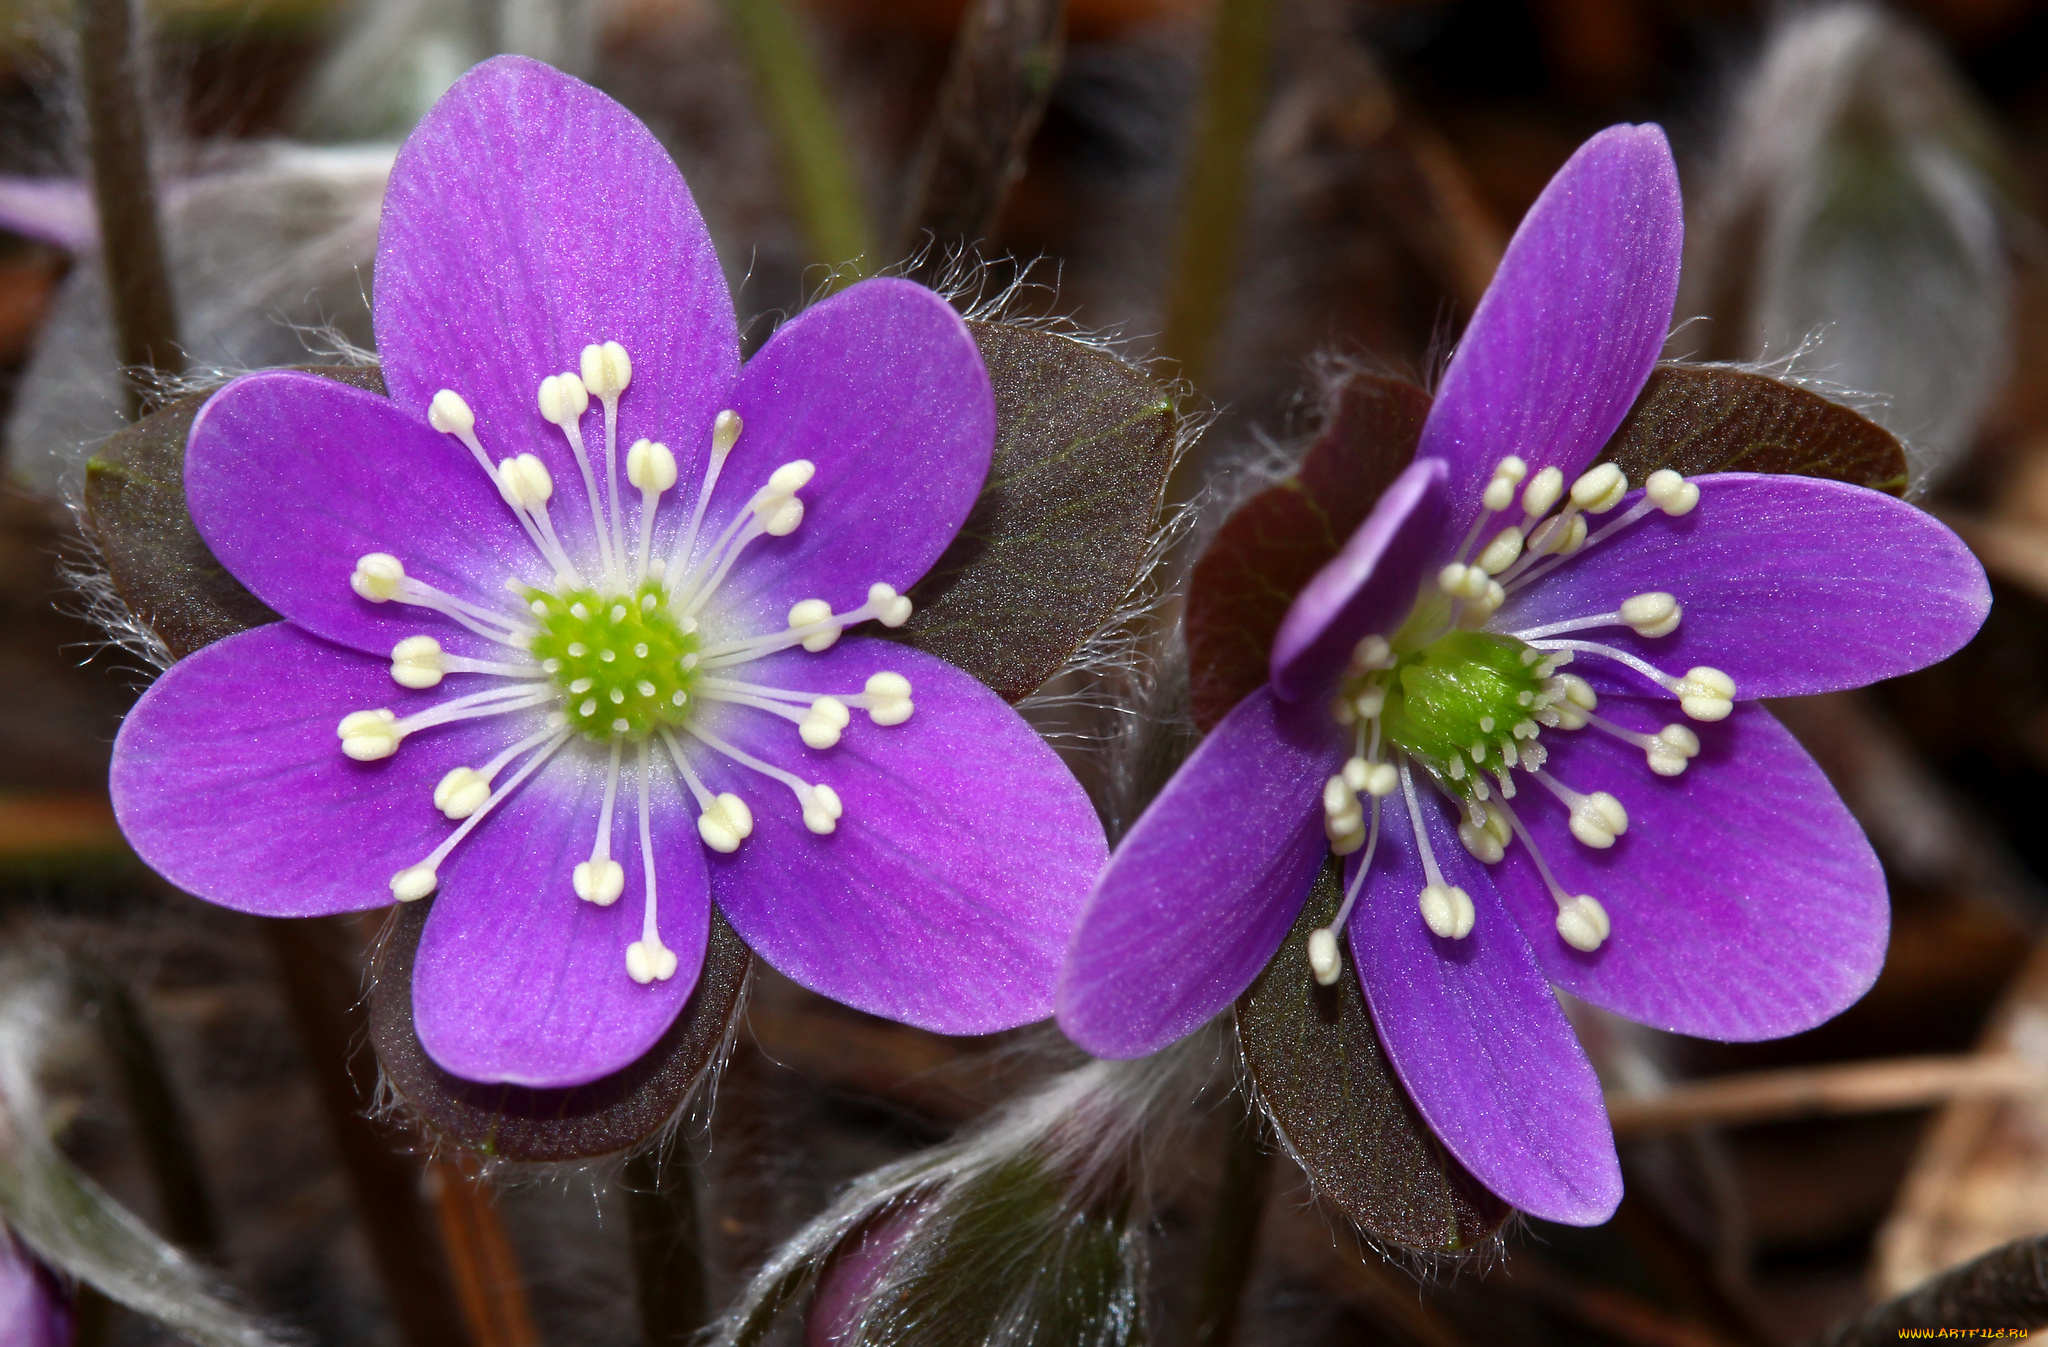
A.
pixel 624 664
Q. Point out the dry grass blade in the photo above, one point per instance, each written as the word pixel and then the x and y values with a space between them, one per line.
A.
pixel 1809 1092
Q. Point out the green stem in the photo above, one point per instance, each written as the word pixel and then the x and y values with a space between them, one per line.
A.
pixel 124 191
pixel 1233 1230
pixel 668 1250
pixel 816 160
pixel 1213 194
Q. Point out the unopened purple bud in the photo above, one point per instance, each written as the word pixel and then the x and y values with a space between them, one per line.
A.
pixel 35 1307
pixel 851 1275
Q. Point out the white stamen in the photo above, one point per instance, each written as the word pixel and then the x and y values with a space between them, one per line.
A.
pixel 1323 959
pixel 450 415
pixel 821 726
pixel 1652 615
pixel 725 432
pixel 1600 489
pixel 1371 653
pixel 377 577
pixel 464 790
pixel 889 698
pixel 1668 751
pixel 1502 552
pixel 601 879
pixel 1671 493
pixel 889 608
pixel 416 662
pixel 367 736
pixel 1542 493
pixel 815 613
pixel 1485 834
pixel 1596 819
pixel 1705 693
pixel 1500 489
pixel 652 468
pixel 417 881
pixel 1446 908
pixel 647 959
pixel 1581 921
pixel 563 400
pixel 819 802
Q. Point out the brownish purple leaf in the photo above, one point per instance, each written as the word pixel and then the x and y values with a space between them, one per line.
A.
pixel 1275 542
pixel 1697 420
pixel 1328 1088
pixel 515 1123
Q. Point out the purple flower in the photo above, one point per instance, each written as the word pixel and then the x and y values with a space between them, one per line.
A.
pixel 35 1308
pixel 568 664
pixel 1511 702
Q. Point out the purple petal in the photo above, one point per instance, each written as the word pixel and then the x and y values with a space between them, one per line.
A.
pixel 35 1308
pixel 228 779
pixel 529 215
pixel 521 981
pixel 56 211
pixel 1789 585
pixel 883 389
pixel 1203 889
pixel 1565 336
pixel 1475 1034
pixel 1746 903
pixel 946 894
pixel 292 477
pixel 1368 587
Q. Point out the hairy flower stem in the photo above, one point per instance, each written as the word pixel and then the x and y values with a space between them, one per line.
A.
pixel 161 1127
pixel 1002 71
pixel 321 992
pixel 668 1250
pixel 1213 194
pixel 1233 1229
pixel 124 190
pixel 817 161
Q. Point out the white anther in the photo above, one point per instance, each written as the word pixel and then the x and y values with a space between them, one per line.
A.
pixel 1576 691
pixel 791 477
pixel 525 481
pixel 1706 694
pixel 416 662
pixel 1463 582
pixel 377 577
pixel 606 370
pixel 599 882
pixel 889 698
pixel 1654 614
pixel 1339 800
pixel 1371 652
pixel 1481 606
pixel 1563 535
pixel 414 883
pixel 1671 493
pixel 1448 911
pixel 1542 492
pixel 1600 489
pixel 1479 839
pixel 1671 749
pixel 725 432
pixel 1598 819
pixel 1369 703
pixel 891 608
pixel 1502 552
pixel 1382 780
pixel 369 735
pixel 1346 834
pixel 650 466
pixel 563 399
pixel 821 725
pixel 725 823
pixel 462 792
pixel 650 962
pixel 1583 923
pixel 1323 959
pixel 449 414
pixel 822 809
pixel 810 612
pixel 1500 490
pixel 779 516
pixel 1357 771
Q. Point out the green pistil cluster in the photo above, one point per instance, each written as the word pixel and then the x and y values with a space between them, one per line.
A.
pixel 1461 704
pixel 623 663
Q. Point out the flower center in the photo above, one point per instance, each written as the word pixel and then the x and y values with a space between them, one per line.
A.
pixel 1466 696
pixel 624 664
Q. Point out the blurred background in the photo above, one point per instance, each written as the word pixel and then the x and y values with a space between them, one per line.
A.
pixel 1252 193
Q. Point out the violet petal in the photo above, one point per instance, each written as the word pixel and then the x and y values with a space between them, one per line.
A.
pixel 1789 585
pixel 1367 588
pixel 1475 1034
pixel 1203 889
pixel 519 980
pixel 1568 331
pixel 945 895
pixel 1745 901
pixel 228 779
pixel 487 291
pixel 292 477
pixel 882 389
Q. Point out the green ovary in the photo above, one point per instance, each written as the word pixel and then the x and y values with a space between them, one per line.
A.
pixel 1462 691
pixel 623 664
